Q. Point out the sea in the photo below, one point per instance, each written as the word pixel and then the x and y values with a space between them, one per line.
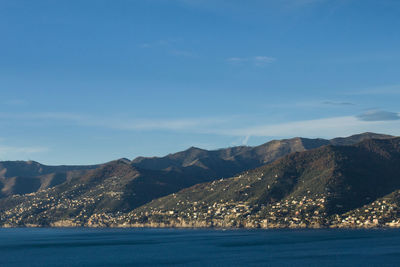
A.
pixel 198 247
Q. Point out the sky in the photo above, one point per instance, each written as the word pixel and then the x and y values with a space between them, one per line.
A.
pixel 89 81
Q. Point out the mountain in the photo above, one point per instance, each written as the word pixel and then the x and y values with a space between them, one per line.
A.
pixel 354 139
pixel 21 177
pixel 244 157
pixel 305 189
pixel 122 185
pixel 186 168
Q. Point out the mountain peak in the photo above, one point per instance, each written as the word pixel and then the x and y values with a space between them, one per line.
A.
pixel 193 148
pixel 124 160
pixel 356 138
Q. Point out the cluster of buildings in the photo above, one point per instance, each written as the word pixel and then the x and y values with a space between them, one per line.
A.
pixel 303 212
pixel 377 214
pixel 41 208
pixel 66 209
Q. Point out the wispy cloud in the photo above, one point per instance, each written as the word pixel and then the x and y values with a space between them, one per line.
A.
pixel 308 104
pixel 324 127
pixel 43 115
pixel 15 102
pixel 379 115
pixel 380 90
pixel 160 43
pixel 245 140
pixel 256 60
pixel 301 3
pixel 301 128
pixel 190 125
pixel 237 59
pixel 221 4
pixel 182 53
pixel 18 152
pixel 169 46
pixel 387 122
pixel 11 152
pixel 334 103
pixel 262 60
pixel 121 123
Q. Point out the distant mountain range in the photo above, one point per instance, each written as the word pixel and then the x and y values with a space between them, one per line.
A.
pixel 21 177
pixel 346 173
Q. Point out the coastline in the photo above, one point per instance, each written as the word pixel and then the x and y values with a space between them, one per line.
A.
pixel 200 225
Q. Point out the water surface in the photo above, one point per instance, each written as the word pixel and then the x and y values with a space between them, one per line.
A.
pixel 183 247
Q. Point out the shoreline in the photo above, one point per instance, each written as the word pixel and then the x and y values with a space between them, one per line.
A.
pixel 161 226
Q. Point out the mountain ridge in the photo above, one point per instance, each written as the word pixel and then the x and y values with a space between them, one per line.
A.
pixel 123 185
pixel 332 181
pixel 19 177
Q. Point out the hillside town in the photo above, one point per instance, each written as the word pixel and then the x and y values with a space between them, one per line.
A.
pixel 302 212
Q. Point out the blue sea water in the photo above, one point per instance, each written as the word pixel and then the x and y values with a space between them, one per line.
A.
pixel 190 247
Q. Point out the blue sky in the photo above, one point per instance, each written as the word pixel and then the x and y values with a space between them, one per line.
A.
pixel 90 81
